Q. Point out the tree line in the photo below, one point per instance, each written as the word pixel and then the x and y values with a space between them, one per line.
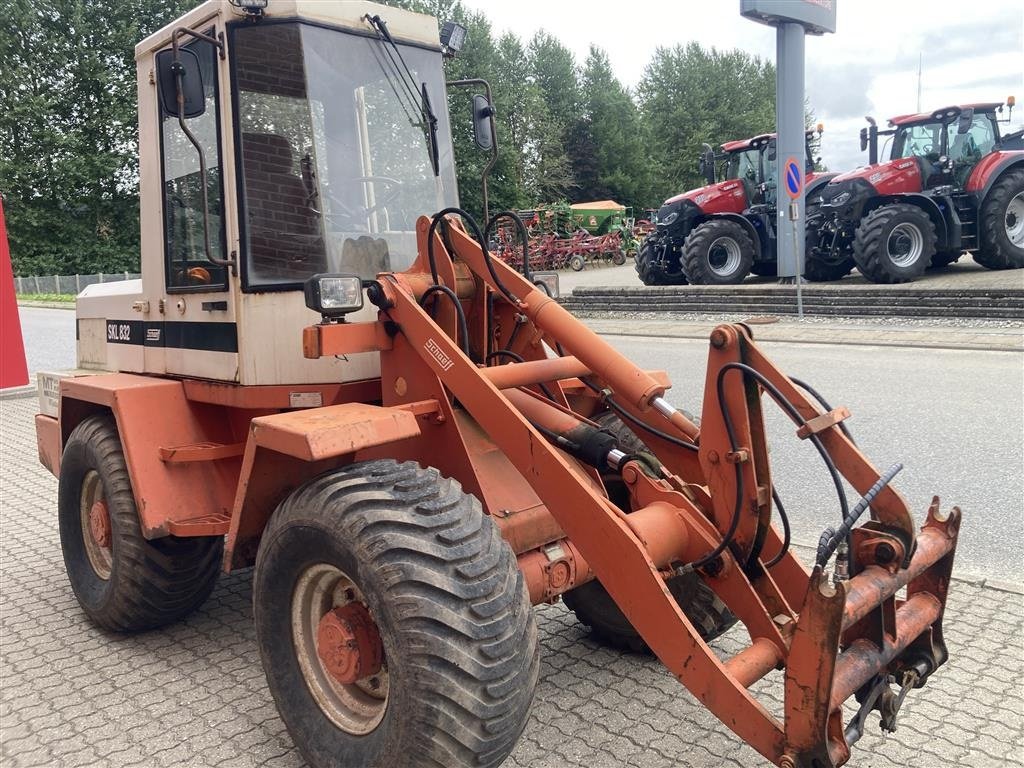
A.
pixel 567 130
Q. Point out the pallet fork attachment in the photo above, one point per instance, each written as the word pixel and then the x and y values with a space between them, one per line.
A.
pixel 702 502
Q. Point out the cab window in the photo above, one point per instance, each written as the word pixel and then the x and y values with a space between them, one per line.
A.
pixel 968 148
pixel 187 266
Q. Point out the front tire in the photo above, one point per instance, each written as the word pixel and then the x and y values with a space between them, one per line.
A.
pixel 718 252
pixel 124 582
pixel 595 608
pixel 1002 224
pixel 458 662
pixel 649 273
pixel 894 244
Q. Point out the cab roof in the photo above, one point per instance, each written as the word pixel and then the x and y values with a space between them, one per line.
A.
pixel 929 117
pixel 739 146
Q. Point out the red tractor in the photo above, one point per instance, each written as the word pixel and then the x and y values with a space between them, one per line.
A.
pixel 719 233
pixel 951 184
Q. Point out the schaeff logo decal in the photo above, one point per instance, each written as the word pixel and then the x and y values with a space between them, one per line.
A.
pixel 435 351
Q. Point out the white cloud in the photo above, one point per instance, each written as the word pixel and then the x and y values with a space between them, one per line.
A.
pixel 970 51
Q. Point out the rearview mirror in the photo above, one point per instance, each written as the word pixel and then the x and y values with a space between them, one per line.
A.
pixel 483 118
pixel 963 123
pixel 185 70
pixel 706 164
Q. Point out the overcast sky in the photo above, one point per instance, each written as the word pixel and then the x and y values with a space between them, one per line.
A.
pixel 972 50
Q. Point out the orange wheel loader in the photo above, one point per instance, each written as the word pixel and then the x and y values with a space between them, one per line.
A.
pixel 325 375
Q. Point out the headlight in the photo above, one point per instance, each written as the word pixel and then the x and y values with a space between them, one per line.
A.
pixel 334 295
pixel 669 219
pixel 841 199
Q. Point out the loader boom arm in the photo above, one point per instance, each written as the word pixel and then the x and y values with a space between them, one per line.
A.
pixel 704 505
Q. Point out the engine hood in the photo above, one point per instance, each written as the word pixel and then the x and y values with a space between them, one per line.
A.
pixel 723 197
pixel 889 178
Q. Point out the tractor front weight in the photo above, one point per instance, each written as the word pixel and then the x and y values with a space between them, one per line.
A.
pixel 701 500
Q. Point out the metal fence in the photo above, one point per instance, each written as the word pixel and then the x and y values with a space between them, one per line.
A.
pixel 67 284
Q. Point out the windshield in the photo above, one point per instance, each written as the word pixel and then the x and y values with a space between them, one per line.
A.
pixel 336 166
pixel 923 140
pixel 744 165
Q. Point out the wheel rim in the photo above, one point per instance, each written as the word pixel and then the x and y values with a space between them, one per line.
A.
pixel 724 256
pixel 1015 220
pixel 332 641
pixel 905 245
pixel 95 523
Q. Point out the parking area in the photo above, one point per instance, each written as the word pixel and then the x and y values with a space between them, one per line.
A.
pixel 194 694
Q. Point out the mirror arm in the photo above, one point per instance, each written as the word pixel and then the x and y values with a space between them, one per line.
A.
pixel 178 74
pixel 494 132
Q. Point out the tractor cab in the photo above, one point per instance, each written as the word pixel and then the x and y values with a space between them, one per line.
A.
pixel 309 137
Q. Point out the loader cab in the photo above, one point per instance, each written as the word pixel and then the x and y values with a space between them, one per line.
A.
pixel 318 142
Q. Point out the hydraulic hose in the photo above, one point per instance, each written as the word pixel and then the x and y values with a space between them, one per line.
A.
pixel 831 537
pixel 471 222
pixel 463 325
pixel 521 228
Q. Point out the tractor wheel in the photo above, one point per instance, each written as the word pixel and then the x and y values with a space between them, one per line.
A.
pixel 593 605
pixel 943 259
pixel 765 268
pixel 577 262
pixel 123 581
pixel 894 244
pixel 649 274
pixel 619 257
pixel 393 622
pixel 718 252
pixel 1002 224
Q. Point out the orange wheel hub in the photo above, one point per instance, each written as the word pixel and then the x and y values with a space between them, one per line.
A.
pixel 348 643
pixel 99 523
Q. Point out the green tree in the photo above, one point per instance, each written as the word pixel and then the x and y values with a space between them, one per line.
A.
pixel 68 130
pixel 690 95
pixel 607 144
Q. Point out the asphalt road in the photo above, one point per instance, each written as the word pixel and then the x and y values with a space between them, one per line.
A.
pixel 955 419
pixel 49 336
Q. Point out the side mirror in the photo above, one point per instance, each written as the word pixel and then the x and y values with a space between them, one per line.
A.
pixel 186 71
pixel 863 139
pixel 963 123
pixel 483 119
pixel 771 153
pixel 706 164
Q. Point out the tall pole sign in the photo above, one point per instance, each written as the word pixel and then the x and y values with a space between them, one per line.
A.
pixel 792 19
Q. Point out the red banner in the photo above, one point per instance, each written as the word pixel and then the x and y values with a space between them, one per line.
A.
pixel 13 371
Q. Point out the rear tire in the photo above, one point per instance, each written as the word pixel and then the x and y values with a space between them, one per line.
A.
pixel 619 257
pixel 1002 224
pixel 576 262
pixel 459 640
pixel 595 608
pixel 649 274
pixel 124 582
pixel 718 252
pixel 894 244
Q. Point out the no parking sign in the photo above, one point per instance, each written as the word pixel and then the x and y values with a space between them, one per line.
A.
pixel 794 179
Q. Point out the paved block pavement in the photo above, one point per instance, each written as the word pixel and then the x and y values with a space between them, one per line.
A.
pixel 194 694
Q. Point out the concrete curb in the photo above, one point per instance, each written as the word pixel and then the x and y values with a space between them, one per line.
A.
pixel 47 304
pixel 923 338
pixel 17 393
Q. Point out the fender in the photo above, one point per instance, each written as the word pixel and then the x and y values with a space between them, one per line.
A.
pixel 285 449
pixel 944 228
pixel 816 181
pixel 181 455
pixel 990 169
pixel 190 474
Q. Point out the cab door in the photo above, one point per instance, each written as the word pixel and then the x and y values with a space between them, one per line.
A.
pixel 193 331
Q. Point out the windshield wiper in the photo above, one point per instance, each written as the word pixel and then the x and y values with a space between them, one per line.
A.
pixel 405 76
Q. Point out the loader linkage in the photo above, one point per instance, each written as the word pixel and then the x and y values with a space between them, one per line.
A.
pixel 702 502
